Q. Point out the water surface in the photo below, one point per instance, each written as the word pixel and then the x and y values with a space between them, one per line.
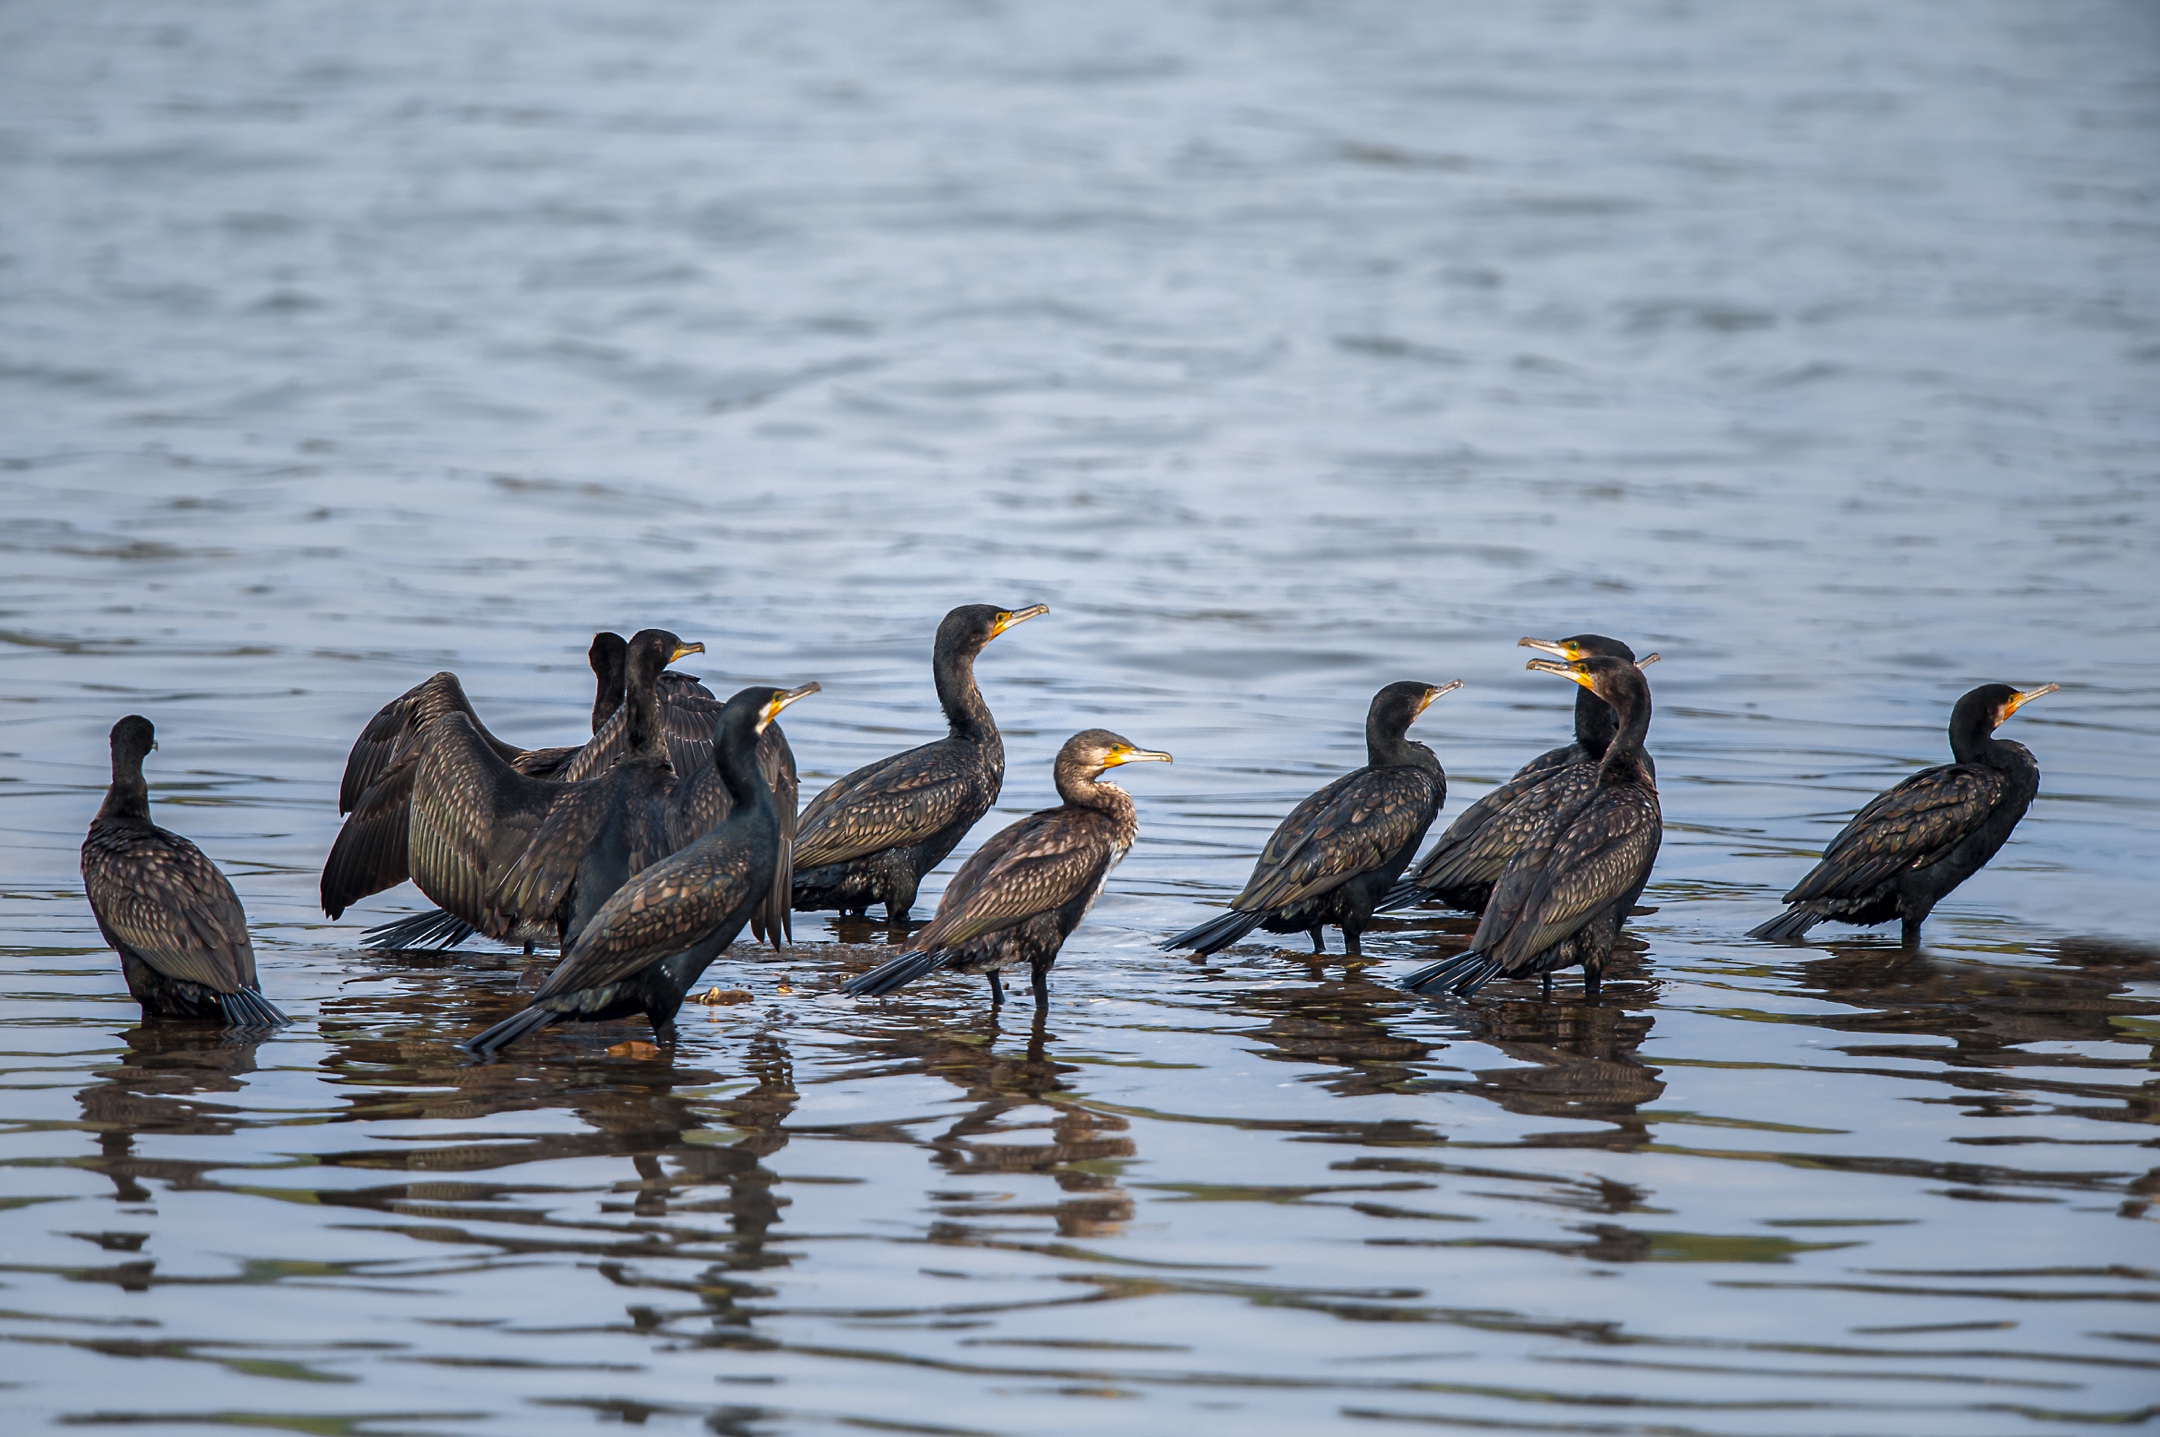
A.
pixel 1284 351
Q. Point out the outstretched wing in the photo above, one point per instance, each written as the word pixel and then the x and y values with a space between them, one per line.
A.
pixel 370 854
pixel 398 723
pixel 1352 826
pixel 472 815
pixel 159 896
pixel 1036 866
pixel 1586 855
pixel 1910 826
pixel 894 803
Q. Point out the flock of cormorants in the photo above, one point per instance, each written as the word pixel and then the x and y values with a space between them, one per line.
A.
pixel 643 852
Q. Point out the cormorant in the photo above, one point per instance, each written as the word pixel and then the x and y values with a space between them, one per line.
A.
pixel 451 815
pixel 1904 852
pixel 174 919
pixel 651 940
pixel 369 854
pixel 1340 849
pixel 1561 899
pixel 1465 863
pixel 1019 896
pixel 872 835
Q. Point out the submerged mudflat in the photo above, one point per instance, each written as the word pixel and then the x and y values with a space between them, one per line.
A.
pixel 1283 354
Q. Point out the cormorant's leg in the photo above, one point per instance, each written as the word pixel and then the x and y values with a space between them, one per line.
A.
pixel 1350 943
pixel 1591 976
pixel 528 948
pixel 1041 984
pixel 1909 931
pixel 997 990
pixel 1545 985
pixel 1319 943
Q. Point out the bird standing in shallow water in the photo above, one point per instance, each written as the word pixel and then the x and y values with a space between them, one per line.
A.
pixel 175 920
pixel 871 836
pixel 1465 863
pixel 1904 852
pixel 1019 897
pixel 1340 849
pixel 651 940
pixel 1563 896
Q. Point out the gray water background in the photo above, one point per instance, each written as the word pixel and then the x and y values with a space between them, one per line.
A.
pixel 1284 350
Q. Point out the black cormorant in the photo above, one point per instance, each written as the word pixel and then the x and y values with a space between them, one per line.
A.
pixel 651 940
pixel 1340 849
pixel 872 835
pixel 1561 899
pixel 1465 863
pixel 1019 896
pixel 177 924
pixel 1909 847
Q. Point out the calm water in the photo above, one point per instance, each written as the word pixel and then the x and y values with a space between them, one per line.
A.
pixel 1284 351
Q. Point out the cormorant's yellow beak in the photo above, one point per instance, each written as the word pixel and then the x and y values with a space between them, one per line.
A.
pixel 684 650
pixel 1135 755
pixel 2024 697
pixel 1551 646
pixel 1017 616
pixel 1646 661
pixel 778 702
pixel 1430 694
pixel 1547 666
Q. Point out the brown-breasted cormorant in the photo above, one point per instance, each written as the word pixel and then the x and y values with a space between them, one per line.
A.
pixel 1019 896
pixel 872 835
pixel 1561 899
pixel 1904 852
pixel 1342 848
pixel 177 924
pixel 1462 867
pixel 651 940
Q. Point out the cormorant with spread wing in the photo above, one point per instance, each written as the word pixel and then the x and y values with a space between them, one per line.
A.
pixel 651 940
pixel 175 920
pixel 1903 853
pixel 872 835
pixel 1019 897
pixel 1340 849
pixel 1561 899
pixel 1465 863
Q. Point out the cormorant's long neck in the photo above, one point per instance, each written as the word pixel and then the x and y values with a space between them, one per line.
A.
pixel 965 711
pixel 642 697
pixel 736 757
pixel 607 692
pixel 1595 724
pixel 1388 746
pixel 1085 788
pixel 1972 740
pixel 129 796
pixel 1625 761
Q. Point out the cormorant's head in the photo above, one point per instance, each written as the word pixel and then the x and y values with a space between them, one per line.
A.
pixel 651 650
pixel 1615 680
pixel 1587 646
pixel 967 628
pixel 1091 751
pixel 750 711
pixel 1987 707
pixel 132 738
pixel 1397 706
pixel 607 655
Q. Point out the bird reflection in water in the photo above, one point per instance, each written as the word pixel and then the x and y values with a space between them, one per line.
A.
pixel 159 1089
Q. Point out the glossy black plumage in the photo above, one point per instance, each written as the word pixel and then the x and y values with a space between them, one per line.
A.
pixel 1910 846
pixel 1564 895
pixel 1342 848
pixel 649 942
pixel 164 907
pixel 871 836
pixel 1019 897
pixel 370 854
pixel 1465 863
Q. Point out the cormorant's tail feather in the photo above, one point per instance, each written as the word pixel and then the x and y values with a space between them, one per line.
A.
pixel 894 973
pixel 1403 895
pixel 1461 975
pixel 508 1031
pixel 248 1008
pixel 1215 934
pixel 1788 927
pixel 432 929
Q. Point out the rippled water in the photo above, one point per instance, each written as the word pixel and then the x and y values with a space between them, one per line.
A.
pixel 1284 351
